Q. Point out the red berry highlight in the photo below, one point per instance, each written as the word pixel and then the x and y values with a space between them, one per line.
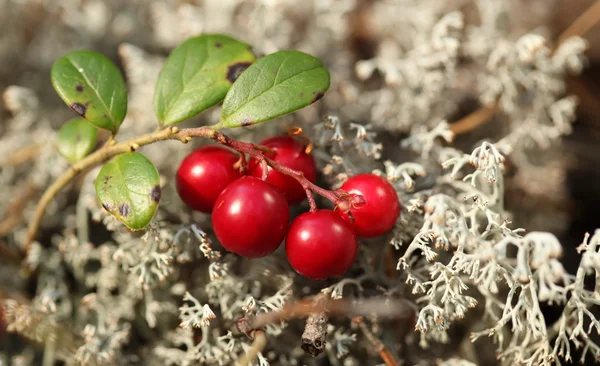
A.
pixel 250 217
pixel 379 207
pixel 291 153
pixel 204 174
pixel 320 244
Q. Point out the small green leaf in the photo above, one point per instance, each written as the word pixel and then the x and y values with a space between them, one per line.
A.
pixel 76 139
pixel 275 85
pixel 197 75
pixel 93 87
pixel 129 188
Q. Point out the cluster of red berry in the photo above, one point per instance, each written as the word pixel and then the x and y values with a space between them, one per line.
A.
pixel 250 212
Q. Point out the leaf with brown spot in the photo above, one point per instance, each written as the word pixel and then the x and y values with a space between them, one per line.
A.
pixel 277 84
pixel 128 187
pixel 155 193
pixel 93 87
pixel 234 71
pixel 197 75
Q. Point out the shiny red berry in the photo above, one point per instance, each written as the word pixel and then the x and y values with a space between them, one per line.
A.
pixel 204 174
pixel 250 217
pixel 320 244
pixel 380 208
pixel 291 153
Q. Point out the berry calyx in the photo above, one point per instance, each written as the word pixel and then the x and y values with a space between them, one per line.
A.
pixel 204 174
pixel 374 206
pixel 250 217
pixel 320 244
pixel 292 154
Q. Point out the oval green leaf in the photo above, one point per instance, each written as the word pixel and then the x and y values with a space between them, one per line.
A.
pixel 197 75
pixel 93 87
pixel 76 139
pixel 129 188
pixel 275 85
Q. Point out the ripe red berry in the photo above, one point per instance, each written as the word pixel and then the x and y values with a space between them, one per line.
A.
pixel 204 174
pixel 250 217
pixel 380 209
pixel 291 153
pixel 320 244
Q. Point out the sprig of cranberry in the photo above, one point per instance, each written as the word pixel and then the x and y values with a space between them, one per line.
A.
pixel 249 202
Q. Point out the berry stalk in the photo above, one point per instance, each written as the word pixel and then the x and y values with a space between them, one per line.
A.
pixel 112 149
pixel 337 197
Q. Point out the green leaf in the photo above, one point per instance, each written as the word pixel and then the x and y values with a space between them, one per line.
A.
pixel 93 87
pixel 197 75
pixel 76 139
pixel 275 85
pixel 129 188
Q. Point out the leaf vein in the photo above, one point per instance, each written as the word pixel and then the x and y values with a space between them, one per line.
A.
pixel 268 89
pixel 94 88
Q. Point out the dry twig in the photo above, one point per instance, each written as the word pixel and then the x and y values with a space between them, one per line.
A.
pixel 259 343
pixel 384 353
pixel 21 156
pixel 315 331
pixel 579 27
pixel 381 307
pixel 14 212
pixel 586 21
pixel 474 119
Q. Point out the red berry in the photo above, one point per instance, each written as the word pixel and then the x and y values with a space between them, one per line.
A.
pixel 204 174
pixel 320 244
pixel 250 217
pixel 380 209
pixel 291 153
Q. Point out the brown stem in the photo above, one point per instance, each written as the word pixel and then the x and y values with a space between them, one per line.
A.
pixel 36 326
pixel 315 331
pixel 384 353
pixel 582 24
pixel 102 155
pixel 255 151
pixel 474 119
pixel 586 21
pixel 9 254
pixel 259 343
pixel 384 308
pixel 14 212
pixel 109 141
pixel 21 156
